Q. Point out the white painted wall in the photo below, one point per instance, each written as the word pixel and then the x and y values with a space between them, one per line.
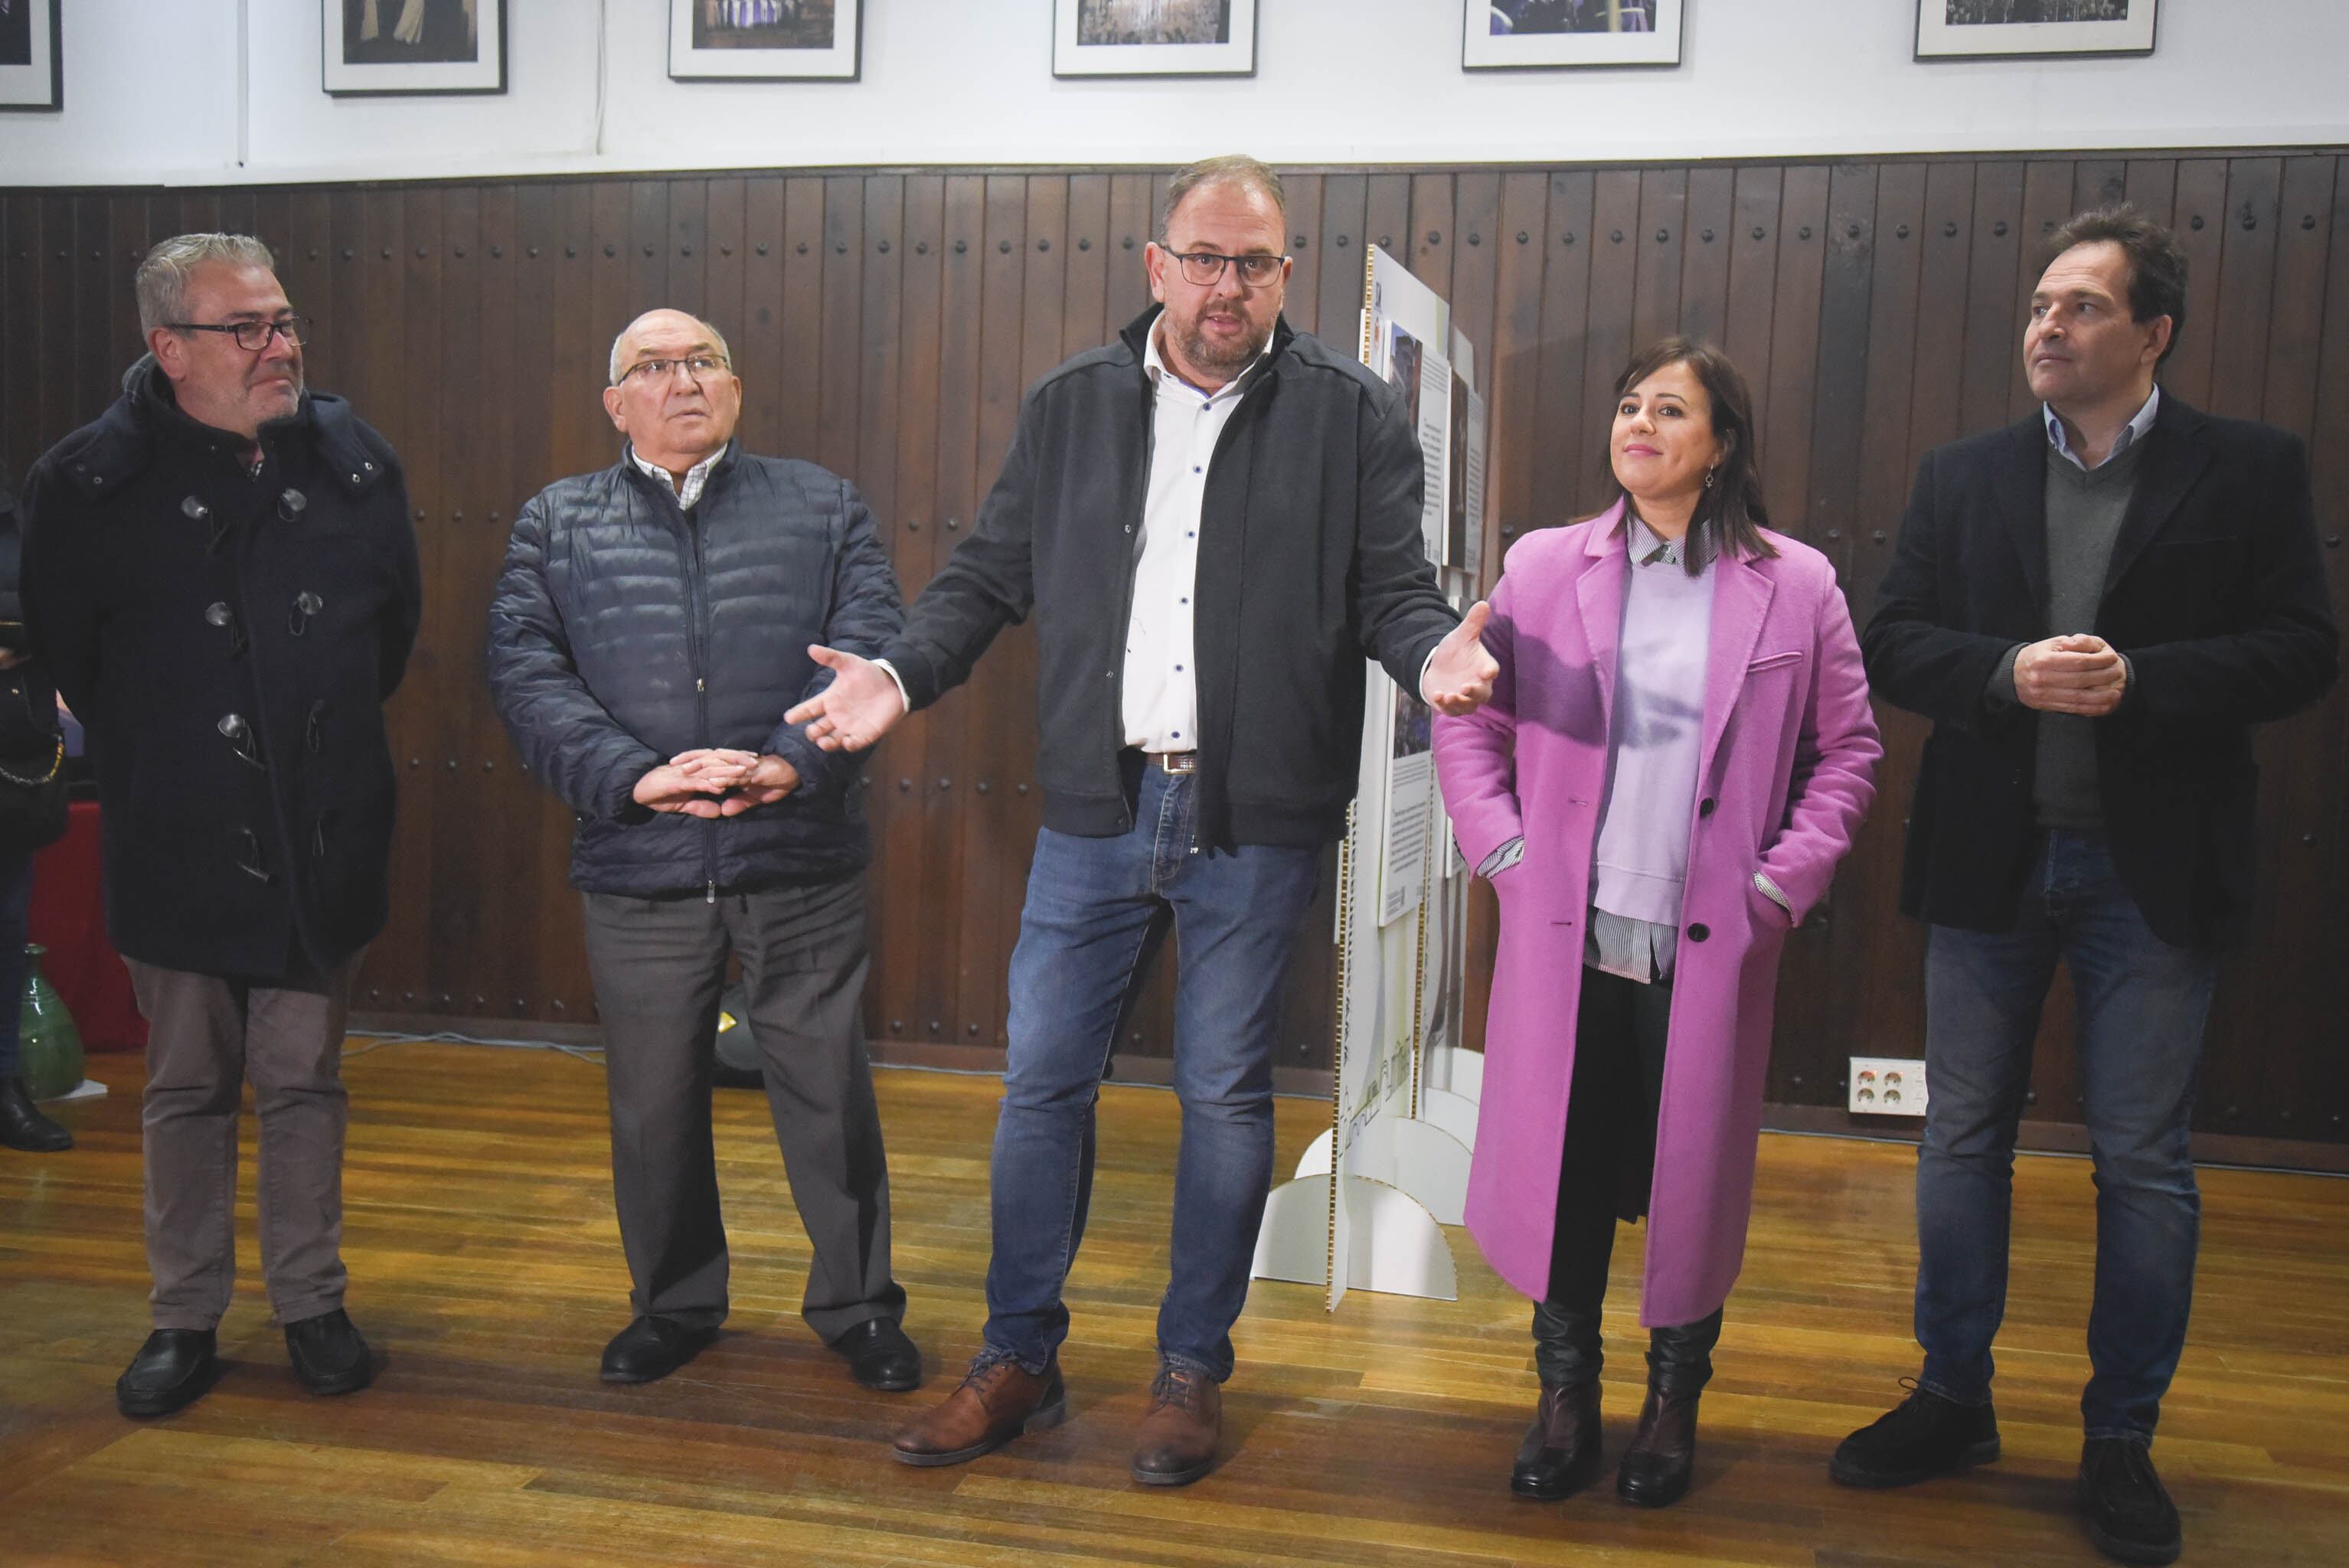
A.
pixel 154 93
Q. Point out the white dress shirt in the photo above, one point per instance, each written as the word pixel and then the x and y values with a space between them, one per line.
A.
pixel 1162 690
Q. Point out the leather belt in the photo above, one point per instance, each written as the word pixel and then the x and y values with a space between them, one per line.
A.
pixel 1173 761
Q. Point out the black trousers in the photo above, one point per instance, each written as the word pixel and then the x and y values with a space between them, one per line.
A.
pixel 1607 1166
pixel 659 965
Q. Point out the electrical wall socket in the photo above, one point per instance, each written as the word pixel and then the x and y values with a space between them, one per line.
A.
pixel 1887 1086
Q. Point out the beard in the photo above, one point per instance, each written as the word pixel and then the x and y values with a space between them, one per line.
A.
pixel 1217 357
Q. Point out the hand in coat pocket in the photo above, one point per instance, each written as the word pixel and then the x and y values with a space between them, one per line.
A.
pixel 1772 908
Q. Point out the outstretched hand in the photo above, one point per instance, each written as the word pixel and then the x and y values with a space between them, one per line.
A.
pixel 1459 679
pixel 860 706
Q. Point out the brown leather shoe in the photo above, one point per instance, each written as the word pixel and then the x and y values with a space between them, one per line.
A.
pixel 996 1403
pixel 1657 1466
pixel 1560 1452
pixel 1176 1444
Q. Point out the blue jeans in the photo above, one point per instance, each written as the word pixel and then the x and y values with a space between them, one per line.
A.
pixel 2142 1002
pixel 1097 908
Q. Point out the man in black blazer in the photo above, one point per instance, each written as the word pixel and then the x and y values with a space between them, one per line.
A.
pixel 2093 606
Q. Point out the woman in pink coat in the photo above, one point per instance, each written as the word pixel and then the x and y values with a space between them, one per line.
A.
pixel 1678 751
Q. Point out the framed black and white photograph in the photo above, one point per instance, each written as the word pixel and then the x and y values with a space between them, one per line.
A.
pixel 32 56
pixel 1154 37
pixel 765 40
pixel 1554 35
pixel 374 47
pixel 1998 30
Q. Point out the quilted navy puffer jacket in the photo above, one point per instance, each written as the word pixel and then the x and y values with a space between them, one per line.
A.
pixel 625 630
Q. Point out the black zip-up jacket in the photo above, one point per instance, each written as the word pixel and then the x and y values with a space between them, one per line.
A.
pixel 229 639
pixel 626 629
pixel 1309 562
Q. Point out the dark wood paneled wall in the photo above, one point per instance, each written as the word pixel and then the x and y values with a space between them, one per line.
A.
pixel 885 323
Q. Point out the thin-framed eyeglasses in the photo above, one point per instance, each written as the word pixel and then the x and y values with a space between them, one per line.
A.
pixel 700 366
pixel 1205 269
pixel 253 336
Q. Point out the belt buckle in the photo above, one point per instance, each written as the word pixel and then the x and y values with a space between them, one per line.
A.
pixel 1177 761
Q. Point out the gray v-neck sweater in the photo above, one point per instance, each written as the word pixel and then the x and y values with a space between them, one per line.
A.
pixel 2085 508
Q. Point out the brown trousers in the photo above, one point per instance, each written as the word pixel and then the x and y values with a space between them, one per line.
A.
pixel 205 1036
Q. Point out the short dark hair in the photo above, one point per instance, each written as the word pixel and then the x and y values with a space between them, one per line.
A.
pixel 1730 514
pixel 1230 168
pixel 2157 261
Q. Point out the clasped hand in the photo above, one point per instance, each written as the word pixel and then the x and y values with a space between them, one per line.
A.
pixel 2078 672
pixel 715 781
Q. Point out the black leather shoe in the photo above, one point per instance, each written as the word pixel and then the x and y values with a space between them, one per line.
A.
pixel 1560 1452
pixel 880 1357
pixel 1662 1456
pixel 1923 1436
pixel 170 1372
pixel 2128 1514
pixel 328 1354
pixel 652 1347
pixel 21 1125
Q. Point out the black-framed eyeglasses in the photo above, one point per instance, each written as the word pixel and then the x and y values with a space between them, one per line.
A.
pixel 253 336
pixel 700 366
pixel 1204 269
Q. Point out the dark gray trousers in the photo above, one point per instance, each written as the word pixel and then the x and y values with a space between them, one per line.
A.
pixel 659 965
pixel 205 1036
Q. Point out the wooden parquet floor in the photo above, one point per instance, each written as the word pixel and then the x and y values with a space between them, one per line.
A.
pixel 486 1268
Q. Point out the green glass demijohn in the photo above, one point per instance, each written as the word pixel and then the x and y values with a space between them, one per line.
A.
pixel 49 1047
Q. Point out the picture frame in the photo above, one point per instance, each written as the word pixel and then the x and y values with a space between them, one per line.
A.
pixel 31 56
pixel 383 48
pixel 2010 29
pixel 1153 38
pixel 1568 35
pixel 766 40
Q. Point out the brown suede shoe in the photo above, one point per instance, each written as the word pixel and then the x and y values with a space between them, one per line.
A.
pixel 1176 1444
pixel 996 1403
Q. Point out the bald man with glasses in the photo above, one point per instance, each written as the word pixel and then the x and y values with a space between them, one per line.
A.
pixel 651 627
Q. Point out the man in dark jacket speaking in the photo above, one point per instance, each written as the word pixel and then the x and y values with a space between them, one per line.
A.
pixel 221 575
pixel 649 631
pixel 1216 518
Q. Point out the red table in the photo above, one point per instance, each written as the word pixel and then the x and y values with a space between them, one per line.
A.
pixel 68 918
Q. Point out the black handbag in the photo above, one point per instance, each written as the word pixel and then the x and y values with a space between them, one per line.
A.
pixel 32 768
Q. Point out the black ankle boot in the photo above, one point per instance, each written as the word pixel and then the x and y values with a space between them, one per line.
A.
pixel 21 1125
pixel 2128 1509
pixel 1662 1456
pixel 1560 1452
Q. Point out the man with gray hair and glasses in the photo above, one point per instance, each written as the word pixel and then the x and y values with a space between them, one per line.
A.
pixel 219 573
pixel 650 629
